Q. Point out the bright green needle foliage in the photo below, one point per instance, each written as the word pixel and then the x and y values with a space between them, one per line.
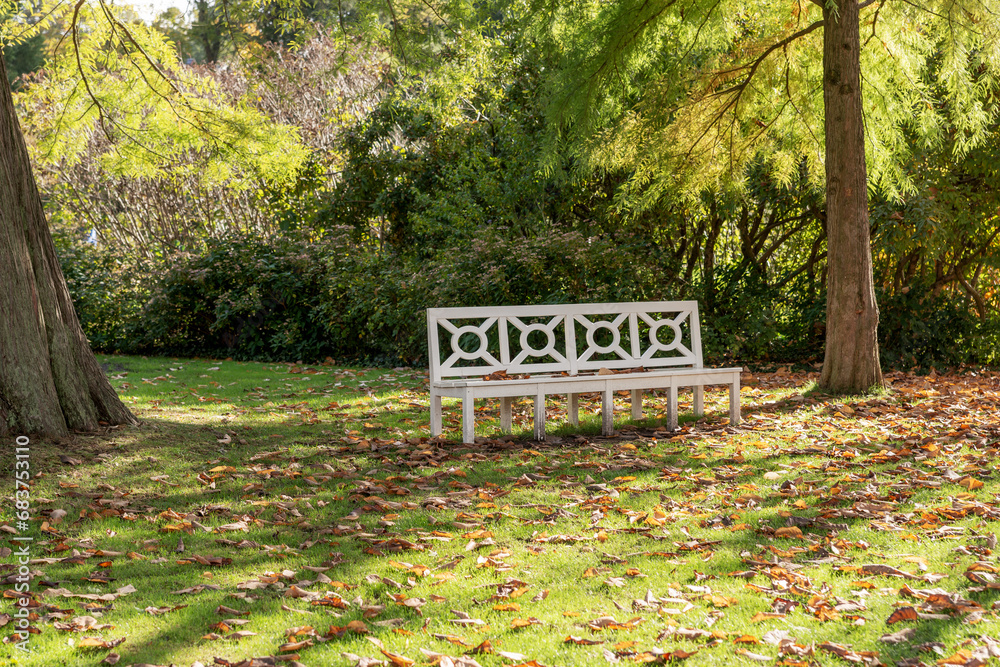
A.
pixel 686 94
pixel 152 116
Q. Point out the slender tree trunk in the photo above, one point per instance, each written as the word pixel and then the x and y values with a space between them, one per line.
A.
pixel 50 381
pixel 851 364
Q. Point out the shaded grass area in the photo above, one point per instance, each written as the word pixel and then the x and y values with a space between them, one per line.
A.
pixel 308 504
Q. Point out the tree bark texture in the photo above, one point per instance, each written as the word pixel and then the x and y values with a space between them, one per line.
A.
pixel 50 381
pixel 851 364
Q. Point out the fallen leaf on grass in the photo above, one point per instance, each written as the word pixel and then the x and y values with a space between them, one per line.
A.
pixel 791 532
pixel 159 611
pixel 753 656
pixel 223 610
pixel 902 614
pixel 582 641
pixel 398 660
pixel 98 643
pixel 899 637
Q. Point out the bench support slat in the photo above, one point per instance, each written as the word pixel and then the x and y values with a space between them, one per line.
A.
pixel 734 401
pixel 506 422
pixel 672 408
pixel 468 417
pixel 436 426
pixel 607 411
pixel 699 400
pixel 637 404
pixel 540 415
pixel 573 409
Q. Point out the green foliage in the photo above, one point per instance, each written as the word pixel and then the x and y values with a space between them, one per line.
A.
pixel 454 152
pixel 123 80
pixel 297 298
pixel 23 58
pixel 108 290
pixel 686 94
pixel 754 320
pixel 242 297
pixel 918 329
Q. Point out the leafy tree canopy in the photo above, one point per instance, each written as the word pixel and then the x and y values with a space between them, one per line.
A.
pixel 687 93
pixel 117 77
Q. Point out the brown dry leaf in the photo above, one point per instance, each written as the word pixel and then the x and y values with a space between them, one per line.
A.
pixel 98 643
pixel 357 627
pixel 753 656
pixel 582 641
pixel 223 610
pixel 398 660
pixel 963 657
pixel 483 648
pixel 764 616
pixel 902 614
pixel 970 483
pixel 904 635
pixel 292 647
pixel 301 630
pixel 866 657
pixel 452 639
pixel 721 600
pixel 791 532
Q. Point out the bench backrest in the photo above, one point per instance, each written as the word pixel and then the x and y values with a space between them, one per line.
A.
pixel 563 338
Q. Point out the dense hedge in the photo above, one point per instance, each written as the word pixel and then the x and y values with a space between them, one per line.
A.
pixel 306 299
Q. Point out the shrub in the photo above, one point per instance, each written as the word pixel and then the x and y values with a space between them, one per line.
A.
pixel 108 291
pixel 298 297
pixel 919 329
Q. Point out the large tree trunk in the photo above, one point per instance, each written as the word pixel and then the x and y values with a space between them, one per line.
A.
pixel 851 364
pixel 50 381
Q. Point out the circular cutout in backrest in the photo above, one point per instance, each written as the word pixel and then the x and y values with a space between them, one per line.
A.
pixel 538 340
pixel 657 338
pixel 604 337
pixel 463 341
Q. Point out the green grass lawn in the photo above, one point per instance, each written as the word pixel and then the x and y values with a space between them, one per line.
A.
pixel 303 512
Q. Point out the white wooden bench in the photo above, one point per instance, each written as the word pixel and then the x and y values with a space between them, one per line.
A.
pixel 569 349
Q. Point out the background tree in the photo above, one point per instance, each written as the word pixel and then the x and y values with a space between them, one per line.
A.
pixel 50 381
pixel 687 94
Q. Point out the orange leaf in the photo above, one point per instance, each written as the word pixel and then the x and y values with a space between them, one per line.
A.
pixel 792 532
pixel 902 614
pixel 398 660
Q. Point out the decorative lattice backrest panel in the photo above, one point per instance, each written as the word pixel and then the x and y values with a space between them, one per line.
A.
pixel 578 338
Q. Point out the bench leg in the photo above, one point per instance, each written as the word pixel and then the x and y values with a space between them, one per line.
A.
pixel 607 412
pixel 734 402
pixel 435 415
pixel 505 419
pixel 573 409
pixel 699 400
pixel 672 408
pixel 637 404
pixel 468 418
pixel 540 416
